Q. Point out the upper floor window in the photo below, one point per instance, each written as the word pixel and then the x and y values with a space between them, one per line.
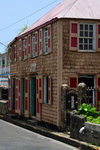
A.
pixel 35 44
pixel 84 37
pixel 87 37
pixel 45 48
pixel 45 40
pixel 3 61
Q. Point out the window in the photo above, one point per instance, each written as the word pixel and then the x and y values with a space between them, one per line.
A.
pixel 35 44
pixel 45 49
pixel 3 61
pixel 87 34
pixel 45 81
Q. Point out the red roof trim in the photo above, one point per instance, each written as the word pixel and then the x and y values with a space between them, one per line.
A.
pixel 33 30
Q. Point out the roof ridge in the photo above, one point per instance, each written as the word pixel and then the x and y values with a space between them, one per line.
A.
pixel 70 8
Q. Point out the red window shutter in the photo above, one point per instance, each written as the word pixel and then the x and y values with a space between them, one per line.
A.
pixel 40 89
pixel 73 82
pixel 16 96
pixel 27 97
pixel 19 102
pixel 98 37
pixel 98 82
pixel 98 42
pixel 74 28
pixel 29 45
pixel 20 49
pixel 73 36
pixel 73 42
pixel 38 105
pixel 40 42
pixel 49 38
pixel 11 54
pixel 9 94
pixel 98 96
pixel 15 53
pixel 49 91
pixel 36 43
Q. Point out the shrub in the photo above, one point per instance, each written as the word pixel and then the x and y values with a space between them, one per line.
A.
pixel 91 114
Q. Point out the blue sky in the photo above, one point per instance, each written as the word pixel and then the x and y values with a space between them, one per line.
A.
pixel 12 11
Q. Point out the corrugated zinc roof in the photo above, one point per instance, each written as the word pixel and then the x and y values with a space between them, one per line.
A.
pixel 79 9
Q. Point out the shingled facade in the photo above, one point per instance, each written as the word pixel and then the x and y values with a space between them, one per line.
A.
pixel 60 48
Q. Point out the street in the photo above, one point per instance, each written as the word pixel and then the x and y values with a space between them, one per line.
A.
pixel 13 137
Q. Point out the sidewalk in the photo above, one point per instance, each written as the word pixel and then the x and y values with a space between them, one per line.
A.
pixel 60 136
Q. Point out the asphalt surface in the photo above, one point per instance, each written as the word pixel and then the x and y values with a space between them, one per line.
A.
pixel 13 137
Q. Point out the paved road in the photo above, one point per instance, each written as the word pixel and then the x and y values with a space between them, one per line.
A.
pixel 13 137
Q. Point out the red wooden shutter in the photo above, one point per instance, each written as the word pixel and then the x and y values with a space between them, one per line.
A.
pixel 73 82
pixel 26 97
pixel 26 53
pixel 40 88
pixel 49 91
pixel 98 37
pixel 16 95
pixel 49 38
pixel 40 42
pixel 9 94
pixel 36 43
pixel 73 35
pixel 10 54
pixel 29 45
pixel 19 97
pixel 38 105
pixel 15 52
pixel 98 92
pixel 20 49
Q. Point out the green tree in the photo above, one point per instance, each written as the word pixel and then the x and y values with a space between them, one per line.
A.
pixel 23 29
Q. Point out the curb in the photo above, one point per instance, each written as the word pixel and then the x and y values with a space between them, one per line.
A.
pixel 54 135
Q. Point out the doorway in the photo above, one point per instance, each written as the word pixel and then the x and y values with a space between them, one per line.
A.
pixel 33 96
pixel 89 81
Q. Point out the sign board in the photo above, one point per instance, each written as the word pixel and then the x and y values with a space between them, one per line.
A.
pixel 33 67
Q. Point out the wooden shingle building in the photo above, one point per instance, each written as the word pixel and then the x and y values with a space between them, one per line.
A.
pixel 62 47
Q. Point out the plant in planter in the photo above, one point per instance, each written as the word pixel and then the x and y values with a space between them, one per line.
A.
pixel 91 114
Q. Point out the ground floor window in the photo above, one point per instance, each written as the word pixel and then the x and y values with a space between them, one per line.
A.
pixel 45 89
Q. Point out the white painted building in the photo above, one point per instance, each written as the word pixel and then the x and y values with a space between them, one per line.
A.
pixel 4 69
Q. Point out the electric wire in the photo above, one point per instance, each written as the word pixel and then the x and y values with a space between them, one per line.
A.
pixel 27 16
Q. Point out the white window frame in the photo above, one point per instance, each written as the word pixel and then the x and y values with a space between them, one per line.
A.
pixel 33 45
pixel 87 38
pixel 45 45
pixel 45 90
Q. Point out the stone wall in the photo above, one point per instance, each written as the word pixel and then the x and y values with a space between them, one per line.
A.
pixel 84 131
pixel 3 107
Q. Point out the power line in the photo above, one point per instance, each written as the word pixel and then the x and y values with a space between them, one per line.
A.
pixel 3 44
pixel 28 16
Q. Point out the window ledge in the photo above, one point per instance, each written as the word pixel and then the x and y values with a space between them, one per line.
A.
pixel 87 51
